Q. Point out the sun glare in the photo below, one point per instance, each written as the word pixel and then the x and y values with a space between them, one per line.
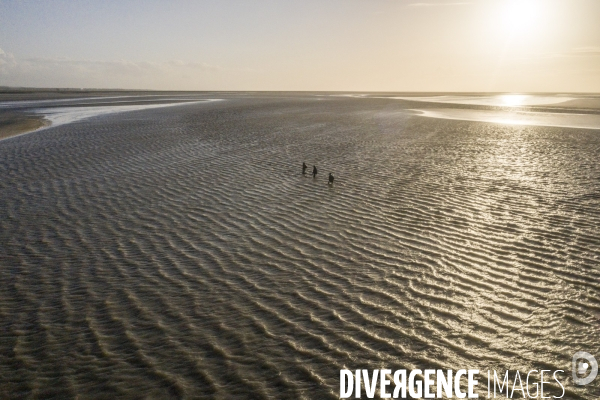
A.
pixel 513 100
pixel 520 17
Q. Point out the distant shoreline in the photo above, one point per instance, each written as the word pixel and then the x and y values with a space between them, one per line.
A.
pixel 17 115
pixel 25 115
pixel 20 108
pixel 14 124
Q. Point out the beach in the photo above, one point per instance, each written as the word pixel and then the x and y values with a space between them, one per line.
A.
pixel 175 250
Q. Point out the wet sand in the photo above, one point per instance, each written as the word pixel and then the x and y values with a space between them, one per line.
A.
pixel 26 110
pixel 19 120
pixel 178 252
pixel 583 103
pixel 12 124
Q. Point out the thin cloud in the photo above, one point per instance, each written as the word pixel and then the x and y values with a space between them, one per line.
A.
pixel 587 50
pixel 6 60
pixel 72 72
pixel 119 67
pixel 437 4
pixel 194 65
pixel 583 51
pixel 123 65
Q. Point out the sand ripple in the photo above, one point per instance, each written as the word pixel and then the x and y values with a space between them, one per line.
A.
pixel 178 252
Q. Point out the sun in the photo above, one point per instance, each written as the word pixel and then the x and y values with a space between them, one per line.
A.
pixel 520 17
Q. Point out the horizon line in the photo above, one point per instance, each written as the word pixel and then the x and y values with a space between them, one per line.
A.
pixel 7 89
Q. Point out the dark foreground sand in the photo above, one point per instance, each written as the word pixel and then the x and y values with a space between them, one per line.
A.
pixel 179 252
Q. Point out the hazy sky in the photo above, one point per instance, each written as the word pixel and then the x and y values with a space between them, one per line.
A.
pixel 348 45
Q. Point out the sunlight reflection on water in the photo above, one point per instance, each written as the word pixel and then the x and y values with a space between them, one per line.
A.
pixel 504 100
pixel 564 120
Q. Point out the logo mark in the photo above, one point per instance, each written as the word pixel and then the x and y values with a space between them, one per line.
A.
pixel 580 367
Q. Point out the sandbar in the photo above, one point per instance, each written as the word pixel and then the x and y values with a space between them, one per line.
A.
pixel 13 123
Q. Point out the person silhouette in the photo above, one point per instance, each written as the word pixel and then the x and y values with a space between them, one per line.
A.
pixel 304 166
pixel 330 178
pixel 314 171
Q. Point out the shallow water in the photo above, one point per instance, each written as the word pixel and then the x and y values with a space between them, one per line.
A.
pixel 502 100
pixel 66 115
pixel 179 252
pixel 554 119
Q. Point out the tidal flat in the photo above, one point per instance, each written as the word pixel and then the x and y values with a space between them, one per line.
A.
pixel 173 249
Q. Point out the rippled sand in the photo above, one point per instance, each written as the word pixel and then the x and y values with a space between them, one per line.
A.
pixel 179 252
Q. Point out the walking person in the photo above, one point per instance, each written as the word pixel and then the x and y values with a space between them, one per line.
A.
pixel 314 171
pixel 304 166
pixel 330 178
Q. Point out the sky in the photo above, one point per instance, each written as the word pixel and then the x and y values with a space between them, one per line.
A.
pixel 324 45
